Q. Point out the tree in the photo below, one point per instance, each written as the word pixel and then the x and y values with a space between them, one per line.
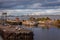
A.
pixel 32 19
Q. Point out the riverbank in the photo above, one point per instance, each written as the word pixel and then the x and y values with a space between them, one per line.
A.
pixel 44 21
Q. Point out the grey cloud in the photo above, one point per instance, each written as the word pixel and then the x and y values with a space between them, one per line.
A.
pixel 52 0
pixel 51 4
pixel 12 0
pixel 28 4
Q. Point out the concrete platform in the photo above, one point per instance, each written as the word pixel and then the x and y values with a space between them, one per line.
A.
pixel 15 33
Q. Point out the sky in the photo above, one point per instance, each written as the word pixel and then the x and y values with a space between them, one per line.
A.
pixel 31 7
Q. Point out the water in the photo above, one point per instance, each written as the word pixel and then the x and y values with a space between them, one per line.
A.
pixel 46 34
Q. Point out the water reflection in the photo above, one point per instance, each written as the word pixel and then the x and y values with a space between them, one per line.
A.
pixel 57 27
pixel 46 32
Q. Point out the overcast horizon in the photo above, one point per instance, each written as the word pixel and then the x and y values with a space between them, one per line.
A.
pixel 30 7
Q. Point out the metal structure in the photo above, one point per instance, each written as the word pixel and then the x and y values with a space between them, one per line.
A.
pixel 4 18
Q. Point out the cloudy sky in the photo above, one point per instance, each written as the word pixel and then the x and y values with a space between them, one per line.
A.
pixel 30 6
